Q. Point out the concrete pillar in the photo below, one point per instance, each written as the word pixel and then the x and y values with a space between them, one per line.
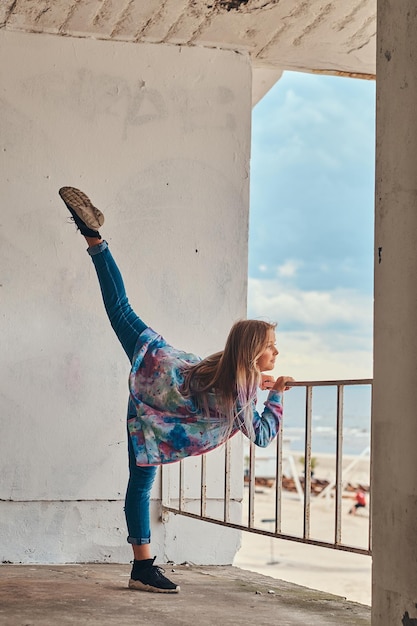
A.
pixel 394 432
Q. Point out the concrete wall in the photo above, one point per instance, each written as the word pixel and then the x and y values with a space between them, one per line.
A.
pixel 159 137
pixel 394 428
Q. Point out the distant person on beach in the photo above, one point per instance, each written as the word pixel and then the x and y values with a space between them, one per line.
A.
pixel 179 405
pixel 360 502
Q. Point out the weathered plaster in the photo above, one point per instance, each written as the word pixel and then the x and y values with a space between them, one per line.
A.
pixel 159 137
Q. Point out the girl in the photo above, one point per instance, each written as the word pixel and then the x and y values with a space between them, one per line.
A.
pixel 179 405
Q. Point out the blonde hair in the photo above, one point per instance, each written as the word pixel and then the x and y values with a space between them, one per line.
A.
pixel 232 375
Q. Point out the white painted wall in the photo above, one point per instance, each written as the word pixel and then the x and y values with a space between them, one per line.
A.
pixel 159 137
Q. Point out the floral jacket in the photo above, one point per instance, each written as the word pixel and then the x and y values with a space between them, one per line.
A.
pixel 168 427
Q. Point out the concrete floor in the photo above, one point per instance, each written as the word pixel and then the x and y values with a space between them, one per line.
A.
pixel 57 595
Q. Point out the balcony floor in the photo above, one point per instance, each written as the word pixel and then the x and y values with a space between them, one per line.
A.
pixel 97 594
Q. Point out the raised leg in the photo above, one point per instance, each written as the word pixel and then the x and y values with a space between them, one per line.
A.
pixel 126 324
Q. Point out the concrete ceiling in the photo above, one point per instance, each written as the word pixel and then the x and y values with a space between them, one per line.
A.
pixel 334 36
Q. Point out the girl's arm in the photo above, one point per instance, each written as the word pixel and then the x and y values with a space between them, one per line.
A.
pixel 267 425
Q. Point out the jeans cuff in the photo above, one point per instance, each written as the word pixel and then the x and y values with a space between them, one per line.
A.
pixel 97 249
pixel 138 542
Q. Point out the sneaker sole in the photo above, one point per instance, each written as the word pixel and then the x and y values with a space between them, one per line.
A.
pixel 82 206
pixel 138 586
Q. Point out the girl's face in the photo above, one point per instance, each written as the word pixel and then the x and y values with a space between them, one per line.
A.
pixel 266 361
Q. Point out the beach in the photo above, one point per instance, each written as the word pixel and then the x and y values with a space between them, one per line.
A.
pixel 342 573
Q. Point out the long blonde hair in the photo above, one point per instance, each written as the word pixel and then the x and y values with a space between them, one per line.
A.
pixel 232 375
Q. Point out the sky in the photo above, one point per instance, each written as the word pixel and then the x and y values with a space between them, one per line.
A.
pixel 311 223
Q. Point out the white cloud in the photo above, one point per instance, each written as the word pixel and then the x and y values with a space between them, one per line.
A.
pixel 314 309
pixel 289 268
pixel 312 334
pixel 324 355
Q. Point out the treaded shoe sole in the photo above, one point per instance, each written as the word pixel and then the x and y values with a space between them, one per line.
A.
pixel 136 584
pixel 82 206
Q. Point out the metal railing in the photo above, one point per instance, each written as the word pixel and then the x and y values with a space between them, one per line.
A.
pixel 333 490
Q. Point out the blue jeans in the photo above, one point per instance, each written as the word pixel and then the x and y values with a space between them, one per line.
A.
pixel 127 326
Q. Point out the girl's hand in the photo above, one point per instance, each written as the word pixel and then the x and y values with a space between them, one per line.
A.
pixel 281 383
pixel 267 382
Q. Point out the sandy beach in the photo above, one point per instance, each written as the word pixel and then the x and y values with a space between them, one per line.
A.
pixel 339 572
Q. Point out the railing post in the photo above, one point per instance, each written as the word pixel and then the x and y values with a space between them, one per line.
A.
pixel 339 450
pixel 227 466
pixel 203 486
pixel 307 462
pixel 251 499
pixel 278 484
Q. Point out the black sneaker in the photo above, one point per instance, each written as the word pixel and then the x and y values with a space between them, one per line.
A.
pixel 85 215
pixel 146 576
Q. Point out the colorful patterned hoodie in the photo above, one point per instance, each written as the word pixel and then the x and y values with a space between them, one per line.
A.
pixel 168 427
